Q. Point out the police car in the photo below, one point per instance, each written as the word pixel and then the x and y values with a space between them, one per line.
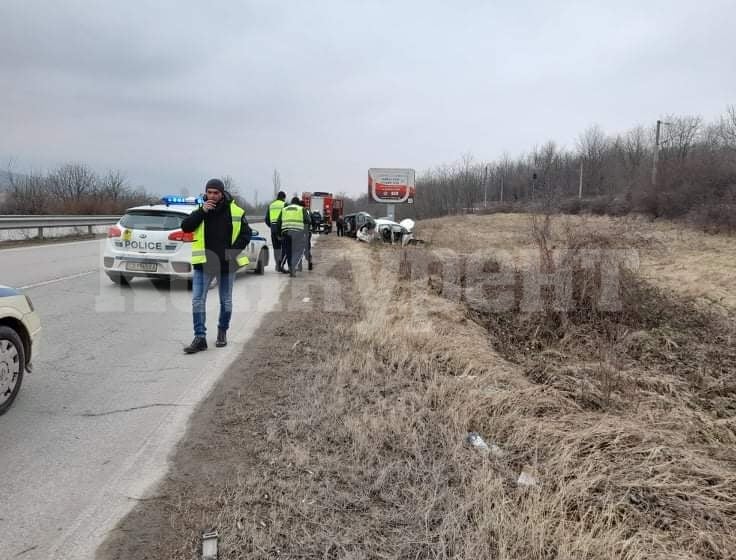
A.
pixel 148 242
pixel 19 328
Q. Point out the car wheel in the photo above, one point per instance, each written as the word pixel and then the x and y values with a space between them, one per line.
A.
pixel 12 366
pixel 261 265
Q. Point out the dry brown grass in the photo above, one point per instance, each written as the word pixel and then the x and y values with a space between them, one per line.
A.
pixel 630 462
pixel 624 418
pixel 688 261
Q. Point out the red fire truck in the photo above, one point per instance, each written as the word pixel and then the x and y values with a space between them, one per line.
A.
pixel 330 207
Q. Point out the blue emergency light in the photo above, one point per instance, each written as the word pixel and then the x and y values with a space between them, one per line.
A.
pixel 170 200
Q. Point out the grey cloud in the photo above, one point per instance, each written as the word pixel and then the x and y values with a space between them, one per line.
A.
pixel 168 90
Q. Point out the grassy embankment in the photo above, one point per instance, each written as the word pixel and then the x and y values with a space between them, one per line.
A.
pixel 621 418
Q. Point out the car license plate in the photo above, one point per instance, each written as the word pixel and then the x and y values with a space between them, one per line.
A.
pixel 141 267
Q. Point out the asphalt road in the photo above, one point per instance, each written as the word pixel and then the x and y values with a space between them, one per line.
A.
pixel 109 395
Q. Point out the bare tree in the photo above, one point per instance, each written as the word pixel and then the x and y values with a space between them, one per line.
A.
pixel 728 127
pixel 712 139
pixel 546 162
pixel 113 185
pixel 73 181
pixel 505 167
pixel 29 195
pixel 681 134
pixel 230 185
pixel 635 148
pixel 593 146
pixel 631 153
pixel 468 183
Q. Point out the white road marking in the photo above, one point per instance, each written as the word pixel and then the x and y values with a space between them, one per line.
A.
pixel 55 280
pixel 47 245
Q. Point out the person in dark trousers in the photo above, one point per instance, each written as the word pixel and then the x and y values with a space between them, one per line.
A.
pixel 308 239
pixel 316 218
pixel 272 216
pixel 340 226
pixel 221 232
pixel 293 224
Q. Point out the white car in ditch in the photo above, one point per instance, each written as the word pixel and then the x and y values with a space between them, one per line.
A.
pixel 20 328
pixel 148 242
pixel 388 231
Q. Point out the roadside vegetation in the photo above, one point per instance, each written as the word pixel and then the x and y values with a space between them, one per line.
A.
pixel 686 174
pixel 73 188
pixel 608 415
pixel 601 174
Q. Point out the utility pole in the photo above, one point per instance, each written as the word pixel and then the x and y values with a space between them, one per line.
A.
pixel 580 186
pixel 502 177
pixel 276 182
pixel 655 159
pixel 485 187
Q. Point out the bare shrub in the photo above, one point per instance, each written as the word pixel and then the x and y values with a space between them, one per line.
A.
pixel 598 206
pixel 72 189
pixel 28 195
pixel 619 206
pixel 716 217
pixel 571 206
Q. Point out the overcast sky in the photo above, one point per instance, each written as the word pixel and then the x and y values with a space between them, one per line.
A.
pixel 172 92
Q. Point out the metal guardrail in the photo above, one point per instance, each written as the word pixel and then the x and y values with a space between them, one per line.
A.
pixel 39 222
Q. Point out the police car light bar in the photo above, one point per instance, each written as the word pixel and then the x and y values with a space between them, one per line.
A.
pixel 174 199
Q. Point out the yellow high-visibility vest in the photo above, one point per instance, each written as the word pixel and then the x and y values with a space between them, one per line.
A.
pixel 275 209
pixel 199 254
pixel 292 218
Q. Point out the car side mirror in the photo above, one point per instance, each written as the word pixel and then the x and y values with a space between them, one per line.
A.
pixel 255 232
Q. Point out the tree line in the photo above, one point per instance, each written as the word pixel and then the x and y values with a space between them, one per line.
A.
pixel 73 188
pixel 695 179
pixel 695 176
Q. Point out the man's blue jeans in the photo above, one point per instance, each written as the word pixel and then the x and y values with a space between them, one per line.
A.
pixel 200 285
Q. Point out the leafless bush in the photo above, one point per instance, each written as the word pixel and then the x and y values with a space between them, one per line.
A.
pixel 599 205
pixel 71 189
pixel 715 218
pixel 571 206
pixel 28 195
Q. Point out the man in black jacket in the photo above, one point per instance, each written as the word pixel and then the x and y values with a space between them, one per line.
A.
pixel 221 232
